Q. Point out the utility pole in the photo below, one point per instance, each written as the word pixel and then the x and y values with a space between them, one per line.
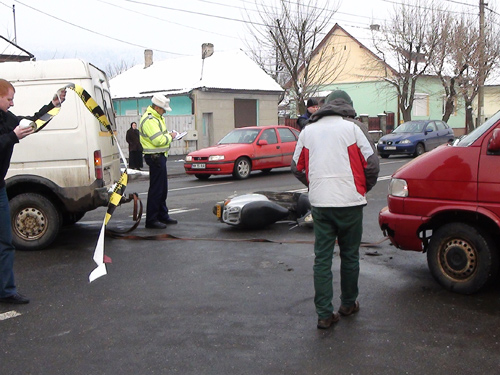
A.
pixel 15 32
pixel 480 91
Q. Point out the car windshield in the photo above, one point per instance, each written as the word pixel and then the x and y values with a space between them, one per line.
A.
pixel 470 138
pixel 410 127
pixel 240 136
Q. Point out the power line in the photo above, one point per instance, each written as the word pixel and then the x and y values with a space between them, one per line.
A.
pixel 421 6
pixel 92 31
pixel 461 3
pixel 163 20
pixel 197 13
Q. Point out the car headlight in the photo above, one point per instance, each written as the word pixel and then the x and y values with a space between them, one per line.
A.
pixel 189 158
pixel 398 188
pixel 215 157
pixel 405 141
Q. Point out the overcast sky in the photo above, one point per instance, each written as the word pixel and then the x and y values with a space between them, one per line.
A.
pixel 110 31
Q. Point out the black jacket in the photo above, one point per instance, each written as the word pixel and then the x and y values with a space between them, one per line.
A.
pixel 8 122
pixel 133 139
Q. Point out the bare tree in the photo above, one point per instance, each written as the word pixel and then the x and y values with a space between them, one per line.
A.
pixel 114 69
pixel 407 43
pixel 458 59
pixel 444 65
pixel 285 38
pixel 467 53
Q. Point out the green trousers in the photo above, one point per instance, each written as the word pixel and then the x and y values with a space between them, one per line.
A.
pixel 344 224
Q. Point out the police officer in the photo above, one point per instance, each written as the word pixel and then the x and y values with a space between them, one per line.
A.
pixel 155 141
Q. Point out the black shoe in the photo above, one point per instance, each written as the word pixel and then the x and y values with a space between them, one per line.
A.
pixel 328 322
pixel 156 225
pixel 346 311
pixel 16 299
pixel 169 221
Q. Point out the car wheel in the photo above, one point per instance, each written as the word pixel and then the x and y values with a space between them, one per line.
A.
pixel 242 168
pixel 202 176
pixel 461 258
pixel 35 221
pixel 419 150
pixel 384 156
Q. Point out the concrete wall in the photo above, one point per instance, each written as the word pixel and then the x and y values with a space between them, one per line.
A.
pixel 221 107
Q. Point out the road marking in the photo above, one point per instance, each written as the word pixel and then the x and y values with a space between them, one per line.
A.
pixel 9 314
pixel 394 162
pixel 384 178
pixel 304 190
pixel 175 211
pixel 193 187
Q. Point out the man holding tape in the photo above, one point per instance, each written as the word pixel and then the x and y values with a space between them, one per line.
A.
pixel 155 141
pixel 11 132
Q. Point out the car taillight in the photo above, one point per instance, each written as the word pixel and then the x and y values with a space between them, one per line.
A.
pixel 98 165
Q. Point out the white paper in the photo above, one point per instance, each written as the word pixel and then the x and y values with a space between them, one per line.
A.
pixel 180 135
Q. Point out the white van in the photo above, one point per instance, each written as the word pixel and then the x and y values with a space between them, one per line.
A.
pixel 66 169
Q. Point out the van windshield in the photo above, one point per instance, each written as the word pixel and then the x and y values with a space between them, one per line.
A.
pixel 470 138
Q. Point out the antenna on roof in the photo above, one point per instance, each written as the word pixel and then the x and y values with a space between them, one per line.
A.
pixel 207 50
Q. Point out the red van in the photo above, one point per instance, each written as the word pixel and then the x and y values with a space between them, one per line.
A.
pixel 447 203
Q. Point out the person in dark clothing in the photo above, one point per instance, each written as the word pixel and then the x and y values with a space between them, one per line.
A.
pixel 10 134
pixel 134 147
pixel 312 106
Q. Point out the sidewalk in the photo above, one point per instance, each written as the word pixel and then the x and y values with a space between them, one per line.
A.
pixel 175 167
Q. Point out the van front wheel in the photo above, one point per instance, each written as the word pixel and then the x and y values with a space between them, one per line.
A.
pixel 35 221
pixel 461 258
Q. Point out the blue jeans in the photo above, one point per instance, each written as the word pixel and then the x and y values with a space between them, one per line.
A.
pixel 7 285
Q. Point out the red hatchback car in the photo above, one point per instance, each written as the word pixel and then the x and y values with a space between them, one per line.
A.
pixel 244 150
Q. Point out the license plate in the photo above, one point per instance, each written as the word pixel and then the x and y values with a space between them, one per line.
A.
pixel 198 166
pixel 389 147
pixel 219 211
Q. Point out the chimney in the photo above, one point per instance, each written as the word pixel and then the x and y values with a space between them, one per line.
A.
pixel 148 58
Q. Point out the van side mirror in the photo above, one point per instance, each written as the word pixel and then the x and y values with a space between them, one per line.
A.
pixel 494 142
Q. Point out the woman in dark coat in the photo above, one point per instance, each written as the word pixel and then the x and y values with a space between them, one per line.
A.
pixel 134 147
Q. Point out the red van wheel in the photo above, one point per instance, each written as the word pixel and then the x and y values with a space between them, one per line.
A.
pixel 461 258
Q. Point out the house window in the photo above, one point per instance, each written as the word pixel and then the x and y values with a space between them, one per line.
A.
pixel 420 105
pixel 245 113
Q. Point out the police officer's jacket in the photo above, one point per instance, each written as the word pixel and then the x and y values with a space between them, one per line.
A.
pixel 155 138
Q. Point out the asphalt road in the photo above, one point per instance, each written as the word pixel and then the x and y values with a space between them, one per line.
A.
pixel 215 303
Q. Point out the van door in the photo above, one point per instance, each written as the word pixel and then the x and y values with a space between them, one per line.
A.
pixel 488 178
pixel 104 142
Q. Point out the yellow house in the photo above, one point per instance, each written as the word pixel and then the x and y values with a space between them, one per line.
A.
pixel 345 60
